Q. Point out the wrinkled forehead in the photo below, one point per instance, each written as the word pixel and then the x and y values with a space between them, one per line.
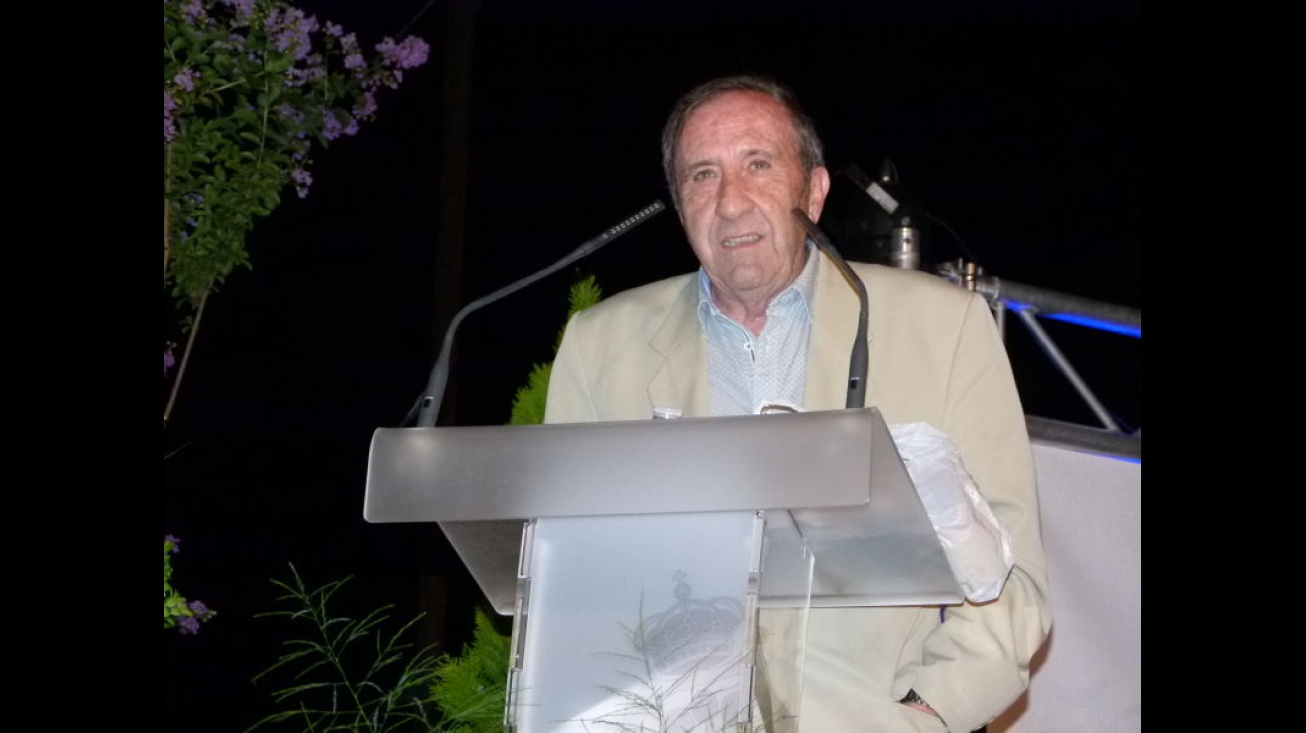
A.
pixel 736 118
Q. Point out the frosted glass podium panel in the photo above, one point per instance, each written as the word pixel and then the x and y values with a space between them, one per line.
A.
pixel 599 538
pixel 702 464
pixel 836 472
pixel 637 622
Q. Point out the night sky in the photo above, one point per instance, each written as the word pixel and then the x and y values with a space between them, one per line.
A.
pixel 1016 125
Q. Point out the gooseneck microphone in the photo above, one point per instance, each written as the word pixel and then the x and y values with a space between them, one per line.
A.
pixel 428 407
pixel 859 359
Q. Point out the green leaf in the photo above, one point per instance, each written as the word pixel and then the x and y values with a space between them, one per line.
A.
pixel 357 678
pixel 529 401
pixel 471 689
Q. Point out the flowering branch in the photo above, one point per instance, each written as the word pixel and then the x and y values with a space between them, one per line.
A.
pixel 179 613
pixel 250 89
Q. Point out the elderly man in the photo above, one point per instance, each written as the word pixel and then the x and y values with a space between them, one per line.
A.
pixel 768 318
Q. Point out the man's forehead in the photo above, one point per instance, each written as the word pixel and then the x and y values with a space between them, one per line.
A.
pixel 750 122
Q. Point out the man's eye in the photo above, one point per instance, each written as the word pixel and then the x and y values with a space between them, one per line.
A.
pixel 759 164
pixel 702 175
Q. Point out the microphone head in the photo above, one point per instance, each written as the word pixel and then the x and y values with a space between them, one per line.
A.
pixel 873 219
pixel 905 244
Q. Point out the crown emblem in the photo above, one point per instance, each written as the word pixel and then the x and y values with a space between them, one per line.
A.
pixel 693 633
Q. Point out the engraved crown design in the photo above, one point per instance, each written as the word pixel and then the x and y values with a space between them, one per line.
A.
pixel 692 632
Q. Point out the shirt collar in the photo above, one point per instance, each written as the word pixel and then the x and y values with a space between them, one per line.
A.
pixel 801 288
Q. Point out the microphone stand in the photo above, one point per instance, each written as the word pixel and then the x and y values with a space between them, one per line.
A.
pixel 859 360
pixel 430 400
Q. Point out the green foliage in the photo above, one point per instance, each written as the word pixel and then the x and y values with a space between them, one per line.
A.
pixel 472 689
pixel 528 405
pixel 249 89
pixel 392 694
pixel 178 613
pixel 584 293
pixel 401 688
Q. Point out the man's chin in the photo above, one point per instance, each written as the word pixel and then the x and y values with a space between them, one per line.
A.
pixel 748 284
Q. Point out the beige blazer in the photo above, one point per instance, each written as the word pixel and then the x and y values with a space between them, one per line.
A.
pixel 935 357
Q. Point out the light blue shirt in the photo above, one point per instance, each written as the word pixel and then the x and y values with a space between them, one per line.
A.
pixel 746 371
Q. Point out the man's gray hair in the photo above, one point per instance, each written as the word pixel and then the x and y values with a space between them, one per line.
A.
pixel 810 151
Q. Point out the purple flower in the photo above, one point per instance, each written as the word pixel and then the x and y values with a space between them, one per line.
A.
pixel 331 127
pixel 192 10
pixel 186 79
pixel 368 107
pixel 407 54
pixel 349 44
pixel 189 625
pixel 168 361
pixel 244 8
pixel 169 125
pixel 292 30
pixel 292 115
pixel 303 179
pixel 198 608
pixel 176 543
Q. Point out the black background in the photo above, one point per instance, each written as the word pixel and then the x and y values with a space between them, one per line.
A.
pixel 1017 124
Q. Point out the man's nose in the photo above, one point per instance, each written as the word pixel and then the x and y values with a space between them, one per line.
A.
pixel 733 197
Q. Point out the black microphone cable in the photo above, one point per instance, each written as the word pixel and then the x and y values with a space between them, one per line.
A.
pixel 858 361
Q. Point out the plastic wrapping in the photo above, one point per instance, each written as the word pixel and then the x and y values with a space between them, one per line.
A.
pixel 977 546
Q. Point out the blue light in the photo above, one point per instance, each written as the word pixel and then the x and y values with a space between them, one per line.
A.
pixel 1136 332
pixel 1095 323
pixel 1122 459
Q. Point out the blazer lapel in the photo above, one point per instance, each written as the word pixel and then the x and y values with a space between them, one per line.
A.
pixel 681 382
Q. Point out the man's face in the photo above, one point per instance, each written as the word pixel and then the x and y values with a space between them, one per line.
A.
pixel 739 177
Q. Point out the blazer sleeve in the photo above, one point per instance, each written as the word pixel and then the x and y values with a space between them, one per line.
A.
pixel 976 663
pixel 568 398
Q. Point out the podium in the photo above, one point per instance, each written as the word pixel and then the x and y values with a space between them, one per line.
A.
pixel 643 561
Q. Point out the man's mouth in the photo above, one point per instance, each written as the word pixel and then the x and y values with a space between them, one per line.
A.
pixel 738 241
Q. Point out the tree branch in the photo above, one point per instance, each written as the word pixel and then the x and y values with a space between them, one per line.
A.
pixel 185 357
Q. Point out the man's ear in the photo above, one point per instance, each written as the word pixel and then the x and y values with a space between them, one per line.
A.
pixel 817 189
